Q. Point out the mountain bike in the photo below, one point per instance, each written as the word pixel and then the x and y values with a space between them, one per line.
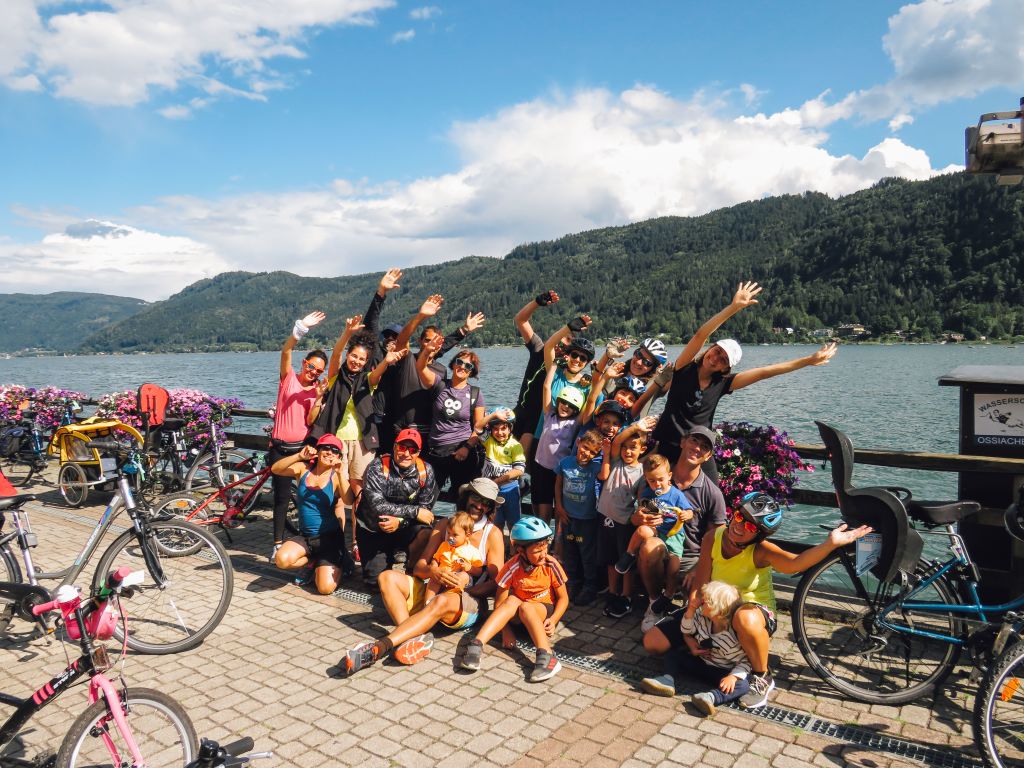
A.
pixel 190 578
pixel 122 726
pixel 890 632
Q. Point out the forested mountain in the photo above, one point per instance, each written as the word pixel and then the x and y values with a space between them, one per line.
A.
pixel 59 321
pixel 943 254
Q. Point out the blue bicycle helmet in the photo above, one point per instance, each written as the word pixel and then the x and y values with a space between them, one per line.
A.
pixel 632 383
pixel 529 529
pixel 763 511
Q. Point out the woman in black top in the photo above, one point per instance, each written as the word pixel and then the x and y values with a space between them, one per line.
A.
pixel 696 384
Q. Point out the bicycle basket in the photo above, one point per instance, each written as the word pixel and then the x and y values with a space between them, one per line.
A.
pixel 10 440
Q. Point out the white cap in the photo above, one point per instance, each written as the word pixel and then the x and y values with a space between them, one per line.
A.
pixel 732 350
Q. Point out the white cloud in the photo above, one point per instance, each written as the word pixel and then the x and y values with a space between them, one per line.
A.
pixel 102 256
pixel 940 50
pixel 425 12
pixel 120 53
pixel 532 171
pixel 404 36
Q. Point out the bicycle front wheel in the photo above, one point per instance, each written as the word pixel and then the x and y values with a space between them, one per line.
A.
pixel 999 711
pixel 9 571
pixel 835 616
pixel 160 726
pixel 207 475
pixel 18 469
pixel 184 596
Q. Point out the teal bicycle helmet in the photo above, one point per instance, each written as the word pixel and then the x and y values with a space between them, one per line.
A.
pixel 529 529
pixel 763 511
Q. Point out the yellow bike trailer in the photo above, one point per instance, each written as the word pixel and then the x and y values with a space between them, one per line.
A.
pixel 82 467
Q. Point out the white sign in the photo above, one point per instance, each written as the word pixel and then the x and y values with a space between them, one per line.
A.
pixel 999 420
pixel 869 549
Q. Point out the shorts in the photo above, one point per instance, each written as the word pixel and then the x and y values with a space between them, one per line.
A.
pixel 675 545
pixel 612 540
pixel 467 616
pixel 372 542
pixel 511 509
pixel 323 549
pixel 542 483
pixel 357 456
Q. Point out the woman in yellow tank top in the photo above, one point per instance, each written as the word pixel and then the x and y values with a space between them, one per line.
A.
pixel 738 554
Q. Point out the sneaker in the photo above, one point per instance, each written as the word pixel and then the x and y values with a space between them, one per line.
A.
pixel 651 617
pixel 618 606
pixel 545 667
pixel 400 557
pixel 304 577
pixel 662 685
pixel 704 702
pixel 358 658
pixel 585 596
pixel 471 659
pixel 273 554
pixel 760 687
pixel 625 563
pixel 415 650
pixel 662 605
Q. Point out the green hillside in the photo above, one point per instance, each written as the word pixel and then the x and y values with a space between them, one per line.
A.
pixel 943 254
pixel 59 321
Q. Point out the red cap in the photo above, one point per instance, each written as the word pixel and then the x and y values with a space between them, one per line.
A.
pixel 411 435
pixel 329 440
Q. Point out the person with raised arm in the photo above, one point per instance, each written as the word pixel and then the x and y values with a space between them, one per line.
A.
pixel 695 384
pixel 295 396
pixel 529 406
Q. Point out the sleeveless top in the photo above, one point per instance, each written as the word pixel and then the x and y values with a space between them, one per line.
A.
pixel 754 584
pixel 316 507
pixel 482 549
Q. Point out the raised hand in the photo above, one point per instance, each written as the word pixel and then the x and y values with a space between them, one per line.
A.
pixel 313 318
pixel 353 324
pixel 745 294
pixel 546 297
pixel 580 323
pixel 647 423
pixel 308 452
pixel 615 370
pixel 431 305
pixel 823 355
pixel 389 281
pixel 395 355
pixel 474 320
pixel 616 348
pixel 664 375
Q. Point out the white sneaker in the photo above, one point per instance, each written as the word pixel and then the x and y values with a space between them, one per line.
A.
pixel 704 702
pixel 273 553
pixel 650 619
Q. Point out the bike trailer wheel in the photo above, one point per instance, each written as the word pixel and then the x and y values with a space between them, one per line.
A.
pixel 73 483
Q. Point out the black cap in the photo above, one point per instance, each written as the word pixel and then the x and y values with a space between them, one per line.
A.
pixel 392 330
pixel 708 434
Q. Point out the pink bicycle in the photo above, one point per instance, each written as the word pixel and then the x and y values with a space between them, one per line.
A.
pixel 121 727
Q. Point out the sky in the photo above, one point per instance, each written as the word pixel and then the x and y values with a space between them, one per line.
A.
pixel 147 144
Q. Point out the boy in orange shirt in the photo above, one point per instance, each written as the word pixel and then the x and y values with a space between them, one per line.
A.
pixel 531 586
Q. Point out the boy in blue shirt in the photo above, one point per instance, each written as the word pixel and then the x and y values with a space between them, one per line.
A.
pixel 576 511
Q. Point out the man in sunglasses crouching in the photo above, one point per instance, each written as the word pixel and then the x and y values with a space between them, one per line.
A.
pixel 394 511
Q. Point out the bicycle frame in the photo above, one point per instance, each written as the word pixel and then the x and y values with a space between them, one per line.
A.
pixel 975 609
pixel 222 493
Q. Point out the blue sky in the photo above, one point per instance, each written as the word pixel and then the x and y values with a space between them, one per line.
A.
pixel 151 139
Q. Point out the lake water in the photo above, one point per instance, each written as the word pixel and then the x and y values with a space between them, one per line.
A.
pixel 881 396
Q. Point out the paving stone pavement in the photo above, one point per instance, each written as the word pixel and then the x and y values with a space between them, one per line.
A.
pixel 269 671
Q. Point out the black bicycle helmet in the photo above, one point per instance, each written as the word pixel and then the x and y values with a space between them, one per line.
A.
pixel 582 344
pixel 763 511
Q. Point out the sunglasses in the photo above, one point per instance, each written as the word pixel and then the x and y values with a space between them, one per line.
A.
pixel 578 356
pixel 458 362
pixel 748 526
pixel 640 356
pixel 332 448
pixel 480 499
pixel 407 447
pixel 313 369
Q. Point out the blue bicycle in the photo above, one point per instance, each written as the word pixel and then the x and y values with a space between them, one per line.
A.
pixel 889 630
pixel 24 448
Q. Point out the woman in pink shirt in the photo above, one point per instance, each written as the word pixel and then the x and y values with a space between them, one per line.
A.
pixel 295 396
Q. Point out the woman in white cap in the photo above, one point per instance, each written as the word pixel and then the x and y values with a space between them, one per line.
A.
pixel 696 384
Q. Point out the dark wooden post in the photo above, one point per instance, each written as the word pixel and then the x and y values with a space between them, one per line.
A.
pixel 991 424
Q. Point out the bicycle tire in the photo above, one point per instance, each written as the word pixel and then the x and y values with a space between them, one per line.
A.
pixel 17 469
pixel 833 623
pixel 206 475
pixel 999 711
pixel 160 726
pixel 181 506
pixel 194 599
pixel 73 483
pixel 9 571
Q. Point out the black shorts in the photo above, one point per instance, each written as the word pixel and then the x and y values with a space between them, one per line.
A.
pixel 612 540
pixel 372 542
pixel 324 549
pixel 542 485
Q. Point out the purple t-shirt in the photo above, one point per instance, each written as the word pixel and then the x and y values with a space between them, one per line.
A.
pixel 453 421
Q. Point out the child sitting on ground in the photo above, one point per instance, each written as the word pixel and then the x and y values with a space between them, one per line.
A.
pixel 505 463
pixel 715 653
pixel 455 554
pixel 620 476
pixel 531 587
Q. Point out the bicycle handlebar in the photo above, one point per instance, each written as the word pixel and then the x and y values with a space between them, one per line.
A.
pixel 39 610
pixel 213 755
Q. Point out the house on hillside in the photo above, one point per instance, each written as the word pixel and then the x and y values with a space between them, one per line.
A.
pixel 822 333
pixel 851 330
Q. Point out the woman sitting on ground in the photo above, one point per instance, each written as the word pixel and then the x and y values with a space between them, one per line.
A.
pixel 410 641
pixel 322 493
